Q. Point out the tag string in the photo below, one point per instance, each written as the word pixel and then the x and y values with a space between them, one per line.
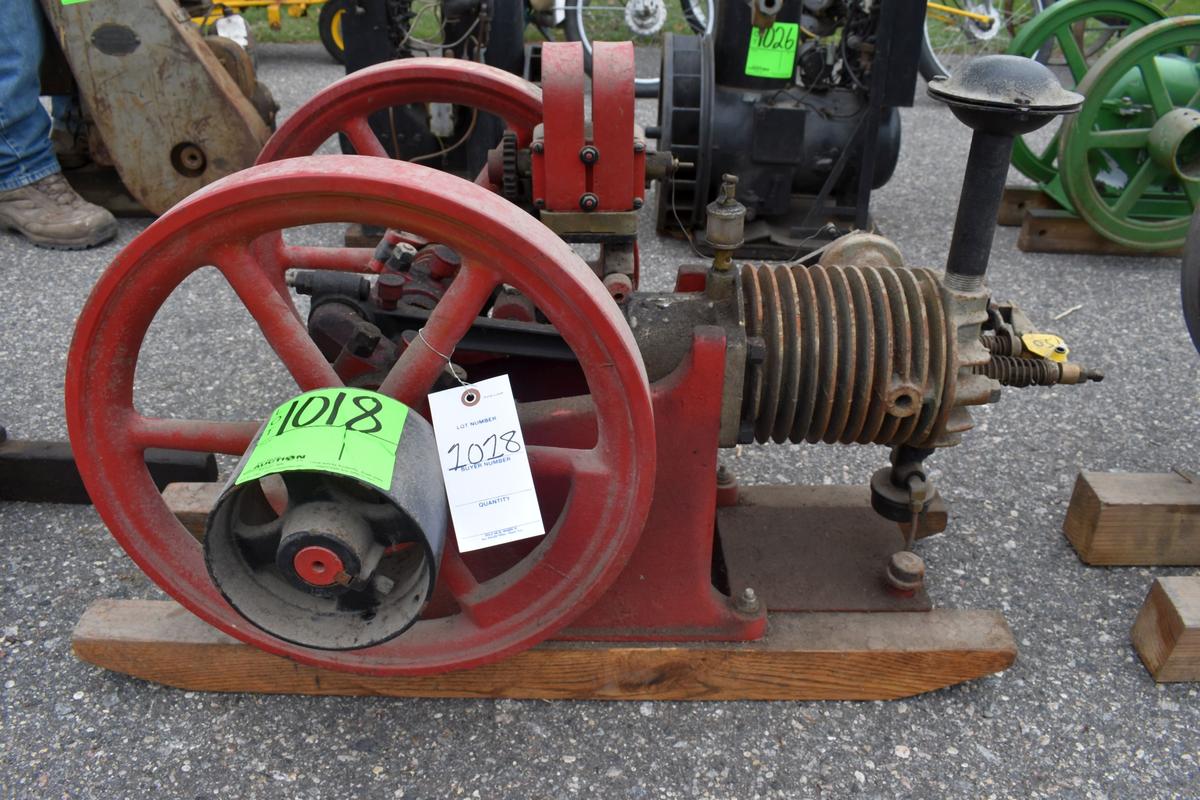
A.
pixel 446 358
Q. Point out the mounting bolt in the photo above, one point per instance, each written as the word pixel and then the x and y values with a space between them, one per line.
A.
pixel 639 147
pixel 539 203
pixel 747 602
pixel 588 201
pixel 727 487
pixel 906 572
pixel 638 203
pixel 588 154
pixel 538 147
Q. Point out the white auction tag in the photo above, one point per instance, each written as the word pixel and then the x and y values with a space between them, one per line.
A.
pixel 484 464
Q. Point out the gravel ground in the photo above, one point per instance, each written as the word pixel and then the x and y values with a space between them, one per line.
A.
pixel 1077 715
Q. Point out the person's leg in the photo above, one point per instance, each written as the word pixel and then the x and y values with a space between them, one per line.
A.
pixel 25 152
pixel 35 198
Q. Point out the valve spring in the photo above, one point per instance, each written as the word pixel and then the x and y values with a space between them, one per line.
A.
pixel 1000 345
pixel 852 355
pixel 1021 372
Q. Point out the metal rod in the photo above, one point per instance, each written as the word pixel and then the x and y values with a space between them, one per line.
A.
pixel 978 206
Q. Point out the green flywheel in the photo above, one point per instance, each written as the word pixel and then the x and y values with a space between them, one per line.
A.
pixel 1069 36
pixel 1129 161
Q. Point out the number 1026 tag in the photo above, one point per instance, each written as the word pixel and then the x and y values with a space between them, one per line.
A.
pixel 485 465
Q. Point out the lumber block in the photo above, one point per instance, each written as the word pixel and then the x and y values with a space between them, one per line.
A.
pixel 1053 230
pixel 828 656
pixel 1167 631
pixel 1017 199
pixel 1130 519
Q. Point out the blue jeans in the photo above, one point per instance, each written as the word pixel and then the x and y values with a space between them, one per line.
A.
pixel 25 151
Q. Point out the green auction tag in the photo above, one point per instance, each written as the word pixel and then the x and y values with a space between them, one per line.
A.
pixel 72 2
pixel 350 432
pixel 772 52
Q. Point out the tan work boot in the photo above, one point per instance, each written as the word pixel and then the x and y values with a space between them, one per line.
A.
pixel 50 214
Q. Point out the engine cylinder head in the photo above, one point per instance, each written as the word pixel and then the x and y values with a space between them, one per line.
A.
pixel 852 355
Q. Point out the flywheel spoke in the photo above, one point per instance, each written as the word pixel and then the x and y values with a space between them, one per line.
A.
pixel 1136 187
pixel 200 435
pixel 1128 137
pixel 277 318
pixel 364 140
pixel 1073 53
pixel 338 259
pixel 418 367
pixel 1156 88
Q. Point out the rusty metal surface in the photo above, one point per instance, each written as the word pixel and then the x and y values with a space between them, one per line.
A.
pixel 812 548
pixel 853 354
pixel 155 91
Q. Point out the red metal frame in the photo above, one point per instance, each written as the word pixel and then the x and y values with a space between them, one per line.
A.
pixel 234 225
pixel 613 178
pixel 562 129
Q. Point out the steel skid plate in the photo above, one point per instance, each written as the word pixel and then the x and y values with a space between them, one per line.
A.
pixel 812 548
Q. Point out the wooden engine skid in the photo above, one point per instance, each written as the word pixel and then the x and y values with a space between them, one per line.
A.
pixel 658 577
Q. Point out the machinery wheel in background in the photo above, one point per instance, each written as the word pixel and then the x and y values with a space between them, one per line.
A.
pixel 1129 161
pixel 684 119
pixel 602 475
pixel 329 26
pixel 639 21
pixel 951 35
pixel 1070 36
pixel 1190 281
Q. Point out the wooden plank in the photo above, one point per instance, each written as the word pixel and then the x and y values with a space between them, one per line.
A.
pixel 1126 519
pixel 1167 631
pixel 836 656
pixel 1017 199
pixel 1053 230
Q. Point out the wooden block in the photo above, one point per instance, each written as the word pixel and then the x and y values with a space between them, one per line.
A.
pixel 1053 230
pixel 1167 631
pixel 1125 519
pixel 191 504
pixel 1017 199
pixel 836 656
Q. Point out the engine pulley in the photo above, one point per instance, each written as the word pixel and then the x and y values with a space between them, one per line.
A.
pixel 342 563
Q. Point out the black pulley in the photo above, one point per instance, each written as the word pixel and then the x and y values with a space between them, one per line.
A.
pixel 306 542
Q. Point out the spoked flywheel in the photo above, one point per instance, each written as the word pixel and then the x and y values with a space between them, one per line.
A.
pixel 347 105
pixel 1129 161
pixel 1070 37
pixel 236 225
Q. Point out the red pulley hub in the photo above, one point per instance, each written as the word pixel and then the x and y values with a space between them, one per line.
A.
pixel 319 566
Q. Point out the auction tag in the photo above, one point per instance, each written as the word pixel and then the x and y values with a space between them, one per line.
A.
pixel 484 464
pixel 772 53
pixel 350 432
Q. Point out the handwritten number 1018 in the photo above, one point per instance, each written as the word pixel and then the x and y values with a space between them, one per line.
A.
pixel 489 449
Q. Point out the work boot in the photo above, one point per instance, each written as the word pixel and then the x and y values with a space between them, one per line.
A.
pixel 50 214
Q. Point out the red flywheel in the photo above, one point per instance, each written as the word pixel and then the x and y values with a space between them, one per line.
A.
pixel 345 105
pixel 236 225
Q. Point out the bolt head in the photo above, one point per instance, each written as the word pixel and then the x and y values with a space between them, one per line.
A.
pixel 538 147
pixel 589 201
pixel 638 203
pixel 588 154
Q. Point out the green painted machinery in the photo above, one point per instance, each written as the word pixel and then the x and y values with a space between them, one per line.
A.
pixel 1129 161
